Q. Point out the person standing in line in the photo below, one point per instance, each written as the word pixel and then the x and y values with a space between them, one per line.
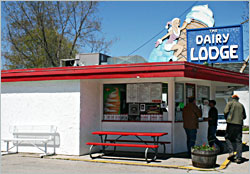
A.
pixel 212 125
pixel 191 114
pixel 235 114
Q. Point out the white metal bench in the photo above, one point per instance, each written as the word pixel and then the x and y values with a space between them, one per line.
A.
pixel 38 136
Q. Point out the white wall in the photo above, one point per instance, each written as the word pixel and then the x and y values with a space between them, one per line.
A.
pixel 244 99
pixel 221 104
pixel 90 118
pixel 180 138
pixel 43 103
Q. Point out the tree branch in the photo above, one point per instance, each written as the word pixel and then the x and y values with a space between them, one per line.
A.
pixel 80 28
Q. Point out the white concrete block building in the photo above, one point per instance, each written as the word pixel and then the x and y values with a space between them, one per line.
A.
pixel 72 98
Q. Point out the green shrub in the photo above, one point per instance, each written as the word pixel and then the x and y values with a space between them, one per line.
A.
pixel 205 147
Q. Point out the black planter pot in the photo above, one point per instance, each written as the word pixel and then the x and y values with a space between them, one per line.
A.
pixel 204 159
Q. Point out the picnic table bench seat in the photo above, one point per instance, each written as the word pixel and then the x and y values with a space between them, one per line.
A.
pixel 163 143
pixel 92 144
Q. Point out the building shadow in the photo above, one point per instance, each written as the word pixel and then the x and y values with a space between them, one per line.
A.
pixel 127 156
pixel 140 156
pixel 245 148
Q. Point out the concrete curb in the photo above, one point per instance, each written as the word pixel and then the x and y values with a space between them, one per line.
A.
pixel 138 164
pixel 224 165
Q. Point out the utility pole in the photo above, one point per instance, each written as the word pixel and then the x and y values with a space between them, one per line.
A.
pixel 246 61
pixel 244 65
pixel 244 21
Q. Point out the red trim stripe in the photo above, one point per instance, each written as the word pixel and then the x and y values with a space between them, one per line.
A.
pixel 143 70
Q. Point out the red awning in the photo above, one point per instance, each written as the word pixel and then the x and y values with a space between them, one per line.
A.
pixel 143 70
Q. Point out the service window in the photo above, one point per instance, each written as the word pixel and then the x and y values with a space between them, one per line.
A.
pixel 179 101
pixel 203 95
pixel 135 102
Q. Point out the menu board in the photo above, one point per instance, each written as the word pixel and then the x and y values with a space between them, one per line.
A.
pixel 132 93
pixel 190 91
pixel 202 92
pixel 143 93
pixel 155 92
pixel 179 92
pixel 202 99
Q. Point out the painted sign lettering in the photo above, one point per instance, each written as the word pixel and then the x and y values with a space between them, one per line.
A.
pixel 215 45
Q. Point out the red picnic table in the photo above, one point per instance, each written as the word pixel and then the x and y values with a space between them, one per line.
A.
pixel 104 139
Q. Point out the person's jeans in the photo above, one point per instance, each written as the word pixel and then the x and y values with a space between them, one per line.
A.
pixel 191 138
pixel 234 134
pixel 211 136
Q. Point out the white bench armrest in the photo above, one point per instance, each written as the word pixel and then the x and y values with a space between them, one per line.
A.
pixel 26 139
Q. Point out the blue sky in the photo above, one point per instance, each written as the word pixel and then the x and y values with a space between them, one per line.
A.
pixel 136 22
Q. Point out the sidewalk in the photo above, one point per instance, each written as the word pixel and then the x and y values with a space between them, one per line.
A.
pixel 178 162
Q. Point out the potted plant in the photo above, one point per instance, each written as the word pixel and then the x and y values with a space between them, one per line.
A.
pixel 204 156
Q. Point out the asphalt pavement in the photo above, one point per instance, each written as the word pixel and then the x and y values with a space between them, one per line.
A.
pixel 31 164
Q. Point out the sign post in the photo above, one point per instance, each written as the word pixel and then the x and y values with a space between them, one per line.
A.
pixel 215 45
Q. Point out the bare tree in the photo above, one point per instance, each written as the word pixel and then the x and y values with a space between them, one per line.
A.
pixel 40 33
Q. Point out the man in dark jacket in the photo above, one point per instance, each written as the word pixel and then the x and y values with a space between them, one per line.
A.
pixel 235 114
pixel 212 125
pixel 190 115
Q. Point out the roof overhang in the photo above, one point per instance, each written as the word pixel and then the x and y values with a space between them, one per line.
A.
pixel 142 70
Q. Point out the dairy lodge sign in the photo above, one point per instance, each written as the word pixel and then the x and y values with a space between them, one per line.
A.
pixel 215 44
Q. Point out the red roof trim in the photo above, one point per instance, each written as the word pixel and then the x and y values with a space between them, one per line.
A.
pixel 216 74
pixel 144 70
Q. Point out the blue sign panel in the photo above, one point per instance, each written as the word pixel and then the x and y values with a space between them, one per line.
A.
pixel 215 45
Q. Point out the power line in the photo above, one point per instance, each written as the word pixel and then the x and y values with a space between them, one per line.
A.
pixel 188 8
pixel 160 31
pixel 146 42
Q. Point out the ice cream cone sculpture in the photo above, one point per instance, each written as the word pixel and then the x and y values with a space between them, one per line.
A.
pixel 173 46
pixel 202 17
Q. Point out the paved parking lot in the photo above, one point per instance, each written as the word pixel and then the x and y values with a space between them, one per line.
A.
pixel 31 164
pixel 15 164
